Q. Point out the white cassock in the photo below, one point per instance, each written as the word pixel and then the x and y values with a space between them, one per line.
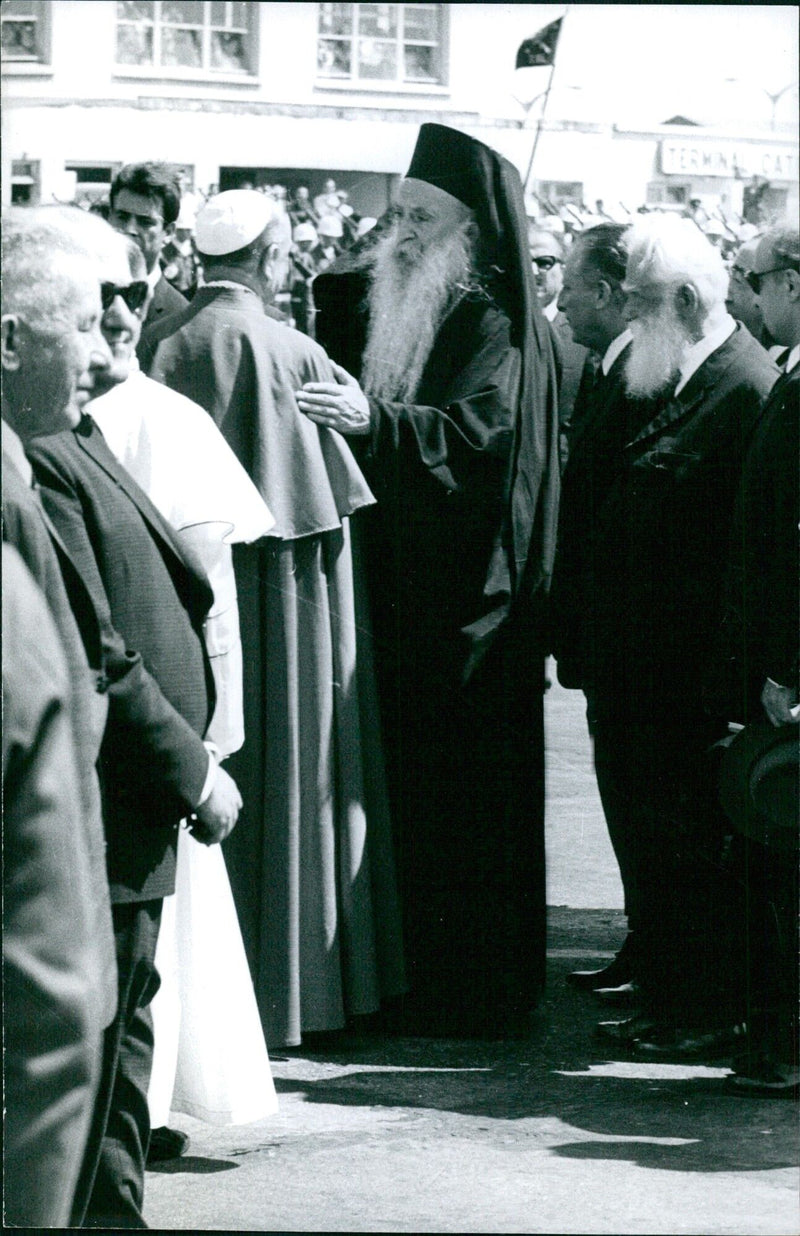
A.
pixel 210 1058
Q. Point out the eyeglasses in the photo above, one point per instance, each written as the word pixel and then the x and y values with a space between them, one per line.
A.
pixel 546 262
pixel 134 294
pixel 754 277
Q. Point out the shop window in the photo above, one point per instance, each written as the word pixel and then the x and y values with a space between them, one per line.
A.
pixel 560 192
pixel 183 36
pixel 389 43
pixel 25 182
pixel 25 31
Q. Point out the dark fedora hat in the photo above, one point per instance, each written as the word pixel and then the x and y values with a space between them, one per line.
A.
pixel 759 778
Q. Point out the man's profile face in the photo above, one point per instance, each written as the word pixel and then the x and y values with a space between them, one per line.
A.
pixel 141 218
pixel 425 217
pixel 58 363
pixel 577 298
pixel 548 271
pixel 741 302
pixel 121 329
pixel 771 299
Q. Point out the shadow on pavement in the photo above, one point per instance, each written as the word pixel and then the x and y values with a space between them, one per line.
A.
pixel 193 1164
pixel 670 1116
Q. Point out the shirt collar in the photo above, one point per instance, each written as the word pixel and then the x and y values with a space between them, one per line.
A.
pixel 793 359
pixel 551 311
pixel 153 277
pixel 12 446
pixel 614 349
pixel 696 353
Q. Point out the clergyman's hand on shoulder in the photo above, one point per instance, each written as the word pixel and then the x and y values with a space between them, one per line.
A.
pixel 340 405
pixel 219 813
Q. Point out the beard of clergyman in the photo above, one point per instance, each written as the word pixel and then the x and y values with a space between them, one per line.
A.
pixel 659 343
pixel 407 303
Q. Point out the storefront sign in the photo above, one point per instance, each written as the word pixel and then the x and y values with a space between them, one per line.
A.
pixel 727 159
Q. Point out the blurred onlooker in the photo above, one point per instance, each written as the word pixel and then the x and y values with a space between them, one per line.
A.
pixel 301 208
pixel 304 267
pixel 330 231
pixel 51 1032
pixel 327 202
pixel 181 264
pixel 145 201
pixel 547 252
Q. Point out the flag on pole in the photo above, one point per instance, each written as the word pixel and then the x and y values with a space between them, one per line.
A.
pixel 540 49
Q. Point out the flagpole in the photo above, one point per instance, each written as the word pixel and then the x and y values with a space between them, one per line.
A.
pixel 540 121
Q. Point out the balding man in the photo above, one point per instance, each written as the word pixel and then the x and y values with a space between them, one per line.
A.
pixel 314 864
pixel 665 530
pixel 151 600
pixel 457 429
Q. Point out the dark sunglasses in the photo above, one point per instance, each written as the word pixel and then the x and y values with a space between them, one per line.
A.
pixel 547 262
pixel 754 277
pixel 134 294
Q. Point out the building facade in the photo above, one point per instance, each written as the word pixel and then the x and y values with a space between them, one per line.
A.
pixel 287 93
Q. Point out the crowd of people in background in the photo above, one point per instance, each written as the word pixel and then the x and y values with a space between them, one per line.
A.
pixel 313 496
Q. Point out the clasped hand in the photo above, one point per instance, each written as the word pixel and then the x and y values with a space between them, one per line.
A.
pixel 340 405
pixel 218 814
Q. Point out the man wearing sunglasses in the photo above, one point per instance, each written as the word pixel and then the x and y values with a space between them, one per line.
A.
pixel 761 645
pixel 547 258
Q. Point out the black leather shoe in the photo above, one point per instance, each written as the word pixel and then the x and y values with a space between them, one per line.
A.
pixel 626 1033
pixel 166 1143
pixel 678 1046
pixel 617 972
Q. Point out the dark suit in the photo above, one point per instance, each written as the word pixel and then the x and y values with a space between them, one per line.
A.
pixel 662 536
pixel 570 358
pixel 165 300
pixel 150 598
pixel 609 420
pixel 759 641
pixel 51 1029
pixel 31 532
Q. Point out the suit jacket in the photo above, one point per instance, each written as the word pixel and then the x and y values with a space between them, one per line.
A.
pixel 570 358
pixel 165 300
pixel 609 420
pixel 758 638
pixel 27 528
pixel 51 1030
pixel 663 535
pixel 151 599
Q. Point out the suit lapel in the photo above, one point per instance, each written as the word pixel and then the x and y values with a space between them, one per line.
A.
pixel 95 445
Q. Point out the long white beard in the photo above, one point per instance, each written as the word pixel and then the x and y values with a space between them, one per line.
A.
pixel 407 304
pixel 659 342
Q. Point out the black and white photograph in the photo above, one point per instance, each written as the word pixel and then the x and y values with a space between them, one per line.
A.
pixel 401 599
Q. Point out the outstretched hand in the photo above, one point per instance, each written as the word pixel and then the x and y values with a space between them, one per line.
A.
pixel 340 405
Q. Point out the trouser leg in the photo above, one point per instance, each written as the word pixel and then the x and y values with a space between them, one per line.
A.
pixel 111 1186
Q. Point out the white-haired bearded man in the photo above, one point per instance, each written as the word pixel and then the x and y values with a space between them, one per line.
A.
pixel 666 527
pixel 456 428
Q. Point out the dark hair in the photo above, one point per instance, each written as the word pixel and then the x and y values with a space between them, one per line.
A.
pixel 154 180
pixel 602 249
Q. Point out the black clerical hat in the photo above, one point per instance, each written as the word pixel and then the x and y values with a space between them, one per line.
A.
pixel 758 783
pixel 453 161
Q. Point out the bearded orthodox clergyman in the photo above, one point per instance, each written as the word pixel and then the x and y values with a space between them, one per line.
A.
pixel 459 440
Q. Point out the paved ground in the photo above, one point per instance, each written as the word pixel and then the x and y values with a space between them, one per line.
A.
pixel 547 1135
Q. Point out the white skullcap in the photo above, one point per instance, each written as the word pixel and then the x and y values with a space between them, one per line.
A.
pixel 232 220
pixel 365 224
pixel 304 231
pixel 330 225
